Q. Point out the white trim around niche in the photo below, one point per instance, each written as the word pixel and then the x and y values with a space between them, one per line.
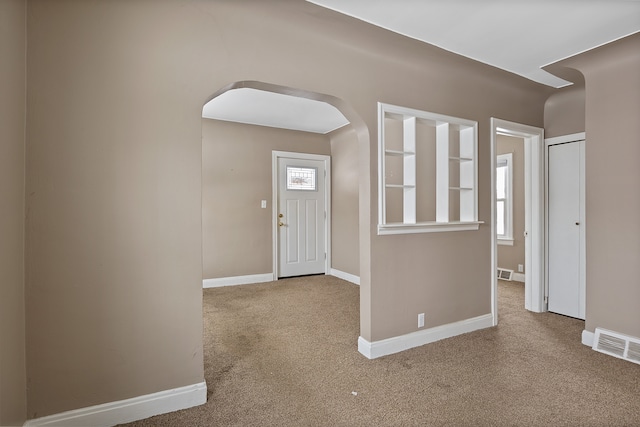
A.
pixel 373 350
pixel 128 410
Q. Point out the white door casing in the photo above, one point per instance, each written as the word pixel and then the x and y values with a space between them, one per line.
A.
pixel 301 219
pixel 534 214
pixel 566 228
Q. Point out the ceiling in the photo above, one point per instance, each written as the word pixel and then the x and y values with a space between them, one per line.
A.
pixel 519 36
pixel 259 107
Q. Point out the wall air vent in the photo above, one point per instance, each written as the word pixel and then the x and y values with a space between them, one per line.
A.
pixel 504 274
pixel 633 352
pixel 618 345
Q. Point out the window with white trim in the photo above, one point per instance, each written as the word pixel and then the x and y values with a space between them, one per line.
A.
pixel 427 172
pixel 504 198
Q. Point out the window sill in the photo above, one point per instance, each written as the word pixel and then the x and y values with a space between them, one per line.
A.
pixel 427 227
pixel 505 242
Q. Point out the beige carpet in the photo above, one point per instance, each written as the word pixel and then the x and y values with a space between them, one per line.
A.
pixel 285 354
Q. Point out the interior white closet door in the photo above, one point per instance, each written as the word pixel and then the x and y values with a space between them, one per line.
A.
pixel 566 229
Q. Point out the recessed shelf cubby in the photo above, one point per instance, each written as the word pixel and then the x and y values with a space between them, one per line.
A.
pixel 427 172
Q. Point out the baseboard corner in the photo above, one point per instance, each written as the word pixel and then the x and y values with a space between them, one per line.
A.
pixel 364 347
pixel 587 338
pixel 345 276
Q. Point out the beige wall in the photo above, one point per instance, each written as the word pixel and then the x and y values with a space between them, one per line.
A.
pixel 236 176
pixel 447 276
pixel 612 80
pixel 114 236
pixel 114 267
pixel 345 247
pixel 510 256
pixel 13 408
pixel 564 111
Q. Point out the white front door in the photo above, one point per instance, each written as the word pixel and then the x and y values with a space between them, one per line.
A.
pixel 566 229
pixel 302 216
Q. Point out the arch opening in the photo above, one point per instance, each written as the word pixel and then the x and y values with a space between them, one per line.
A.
pixel 351 130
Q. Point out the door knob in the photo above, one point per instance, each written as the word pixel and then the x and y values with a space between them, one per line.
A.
pixel 577 223
pixel 281 223
pixel 280 215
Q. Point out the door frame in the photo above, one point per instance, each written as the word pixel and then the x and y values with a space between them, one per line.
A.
pixel 534 171
pixel 564 139
pixel 275 189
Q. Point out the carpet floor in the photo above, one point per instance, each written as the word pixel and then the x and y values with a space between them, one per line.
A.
pixel 285 354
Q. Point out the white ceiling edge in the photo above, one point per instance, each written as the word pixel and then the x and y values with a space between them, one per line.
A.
pixel 517 36
pixel 263 108
pixel 596 46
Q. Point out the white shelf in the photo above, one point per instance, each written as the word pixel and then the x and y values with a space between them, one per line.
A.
pixel 399 153
pixel 399 186
pixel 428 227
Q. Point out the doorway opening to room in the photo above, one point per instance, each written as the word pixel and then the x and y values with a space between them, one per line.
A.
pixel 510 214
pixel 256 229
pixel 529 143
pixel 241 225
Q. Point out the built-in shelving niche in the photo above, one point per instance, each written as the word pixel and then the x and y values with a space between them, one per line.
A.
pixel 427 172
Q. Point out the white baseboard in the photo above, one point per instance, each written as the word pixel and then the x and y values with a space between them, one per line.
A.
pixel 518 277
pixel 345 276
pixel 587 338
pixel 373 350
pixel 128 410
pixel 237 280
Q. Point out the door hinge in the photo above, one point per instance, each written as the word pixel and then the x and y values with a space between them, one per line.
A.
pixel 325 255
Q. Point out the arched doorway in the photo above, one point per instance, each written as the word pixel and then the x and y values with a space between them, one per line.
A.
pixel 251 207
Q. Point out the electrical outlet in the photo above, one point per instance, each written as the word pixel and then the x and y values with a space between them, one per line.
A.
pixel 520 268
pixel 421 320
pixel 263 204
